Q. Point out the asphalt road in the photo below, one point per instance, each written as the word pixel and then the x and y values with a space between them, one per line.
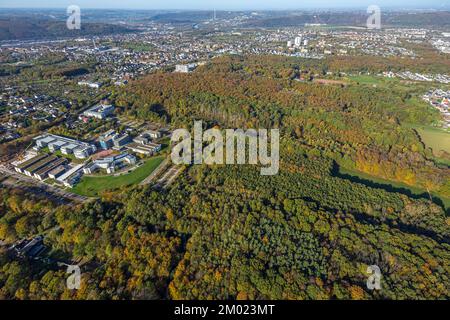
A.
pixel 39 187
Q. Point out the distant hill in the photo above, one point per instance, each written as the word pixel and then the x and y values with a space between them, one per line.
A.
pixel 419 19
pixel 29 28
pixel 435 19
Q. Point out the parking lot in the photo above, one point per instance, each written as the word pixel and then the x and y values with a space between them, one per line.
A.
pixel 169 177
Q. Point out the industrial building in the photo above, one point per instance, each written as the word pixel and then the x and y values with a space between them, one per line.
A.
pixel 21 166
pixel 40 166
pixel 43 173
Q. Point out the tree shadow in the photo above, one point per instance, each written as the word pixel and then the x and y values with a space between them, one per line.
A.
pixel 388 187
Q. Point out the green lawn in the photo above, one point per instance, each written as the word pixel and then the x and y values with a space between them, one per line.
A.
pixel 93 186
pixel 366 79
pixel 384 82
pixel 436 139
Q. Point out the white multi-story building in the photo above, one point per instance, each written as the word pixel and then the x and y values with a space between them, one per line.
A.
pixel 185 68
pixel 110 163
pixel 80 150
pixel 99 111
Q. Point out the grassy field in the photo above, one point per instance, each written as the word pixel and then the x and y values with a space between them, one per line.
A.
pixel 93 186
pixel 389 83
pixel 416 191
pixel 366 79
pixel 434 138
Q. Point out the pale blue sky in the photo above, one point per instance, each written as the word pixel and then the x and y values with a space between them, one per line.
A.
pixel 223 4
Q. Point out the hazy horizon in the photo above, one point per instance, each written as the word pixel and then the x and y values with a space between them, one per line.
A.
pixel 222 5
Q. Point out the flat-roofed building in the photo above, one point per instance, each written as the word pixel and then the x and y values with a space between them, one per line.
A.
pixel 31 170
pixel 110 163
pixel 100 111
pixel 42 174
pixel 122 141
pixel 106 140
pixel 72 176
pixel 55 146
pixel 69 148
pixel 147 149
pixel 141 139
pixel 66 145
pixel 95 85
pixel 156 146
pixel 44 141
pixel 185 68
pixel 72 179
pixel 83 152
pixel 154 134
pixel 22 166
pixel 57 172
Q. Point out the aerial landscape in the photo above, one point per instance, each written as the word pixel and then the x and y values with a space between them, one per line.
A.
pixel 124 168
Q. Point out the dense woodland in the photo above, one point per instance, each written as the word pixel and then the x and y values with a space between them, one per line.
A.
pixel 361 127
pixel 13 28
pixel 225 231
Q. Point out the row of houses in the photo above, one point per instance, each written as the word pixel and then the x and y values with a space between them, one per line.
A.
pixel 440 99
pixel 67 146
